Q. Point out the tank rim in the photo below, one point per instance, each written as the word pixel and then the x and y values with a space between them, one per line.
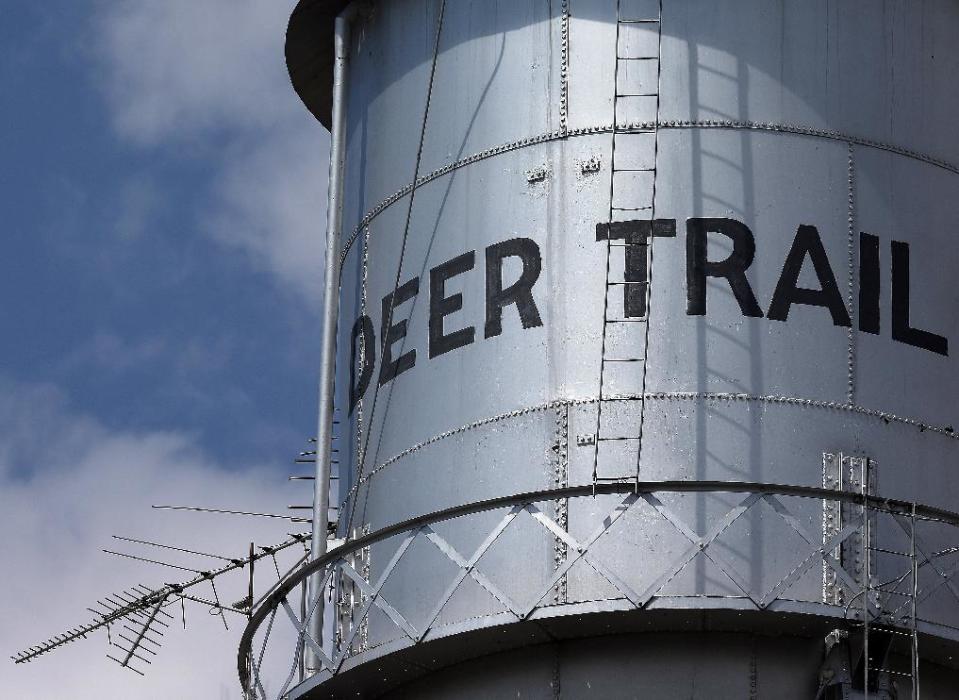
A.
pixel 309 54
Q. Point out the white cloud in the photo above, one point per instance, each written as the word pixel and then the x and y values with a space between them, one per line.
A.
pixel 138 202
pixel 108 350
pixel 176 67
pixel 181 78
pixel 183 75
pixel 271 203
pixel 67 483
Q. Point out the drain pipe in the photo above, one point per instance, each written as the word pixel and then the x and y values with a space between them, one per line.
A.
pixel 334 216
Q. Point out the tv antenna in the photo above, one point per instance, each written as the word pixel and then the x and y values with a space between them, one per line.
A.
pixel 137 618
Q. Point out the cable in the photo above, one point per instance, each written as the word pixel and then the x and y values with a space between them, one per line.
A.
pixel 399 267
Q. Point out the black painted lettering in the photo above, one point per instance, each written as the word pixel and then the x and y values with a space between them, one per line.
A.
pixel 732 269
pixel 442 305
pixel 636 235
pixel 363 328
pixel 807 243
pixel 390 368
pixel 869 285
pixel 901 328
pixel 520 292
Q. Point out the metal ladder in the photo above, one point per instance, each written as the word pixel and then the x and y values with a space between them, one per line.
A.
pixel 899 631
pixel 619 420
pixel 887 610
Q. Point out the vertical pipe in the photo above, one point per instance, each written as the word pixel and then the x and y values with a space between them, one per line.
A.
pixel 334 215
pixel 866 591
pixel 301 663
pixel 915 602
pixel 249 612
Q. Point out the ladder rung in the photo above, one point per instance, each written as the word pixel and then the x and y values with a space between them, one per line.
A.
pixel 634 170
pixel 636 94
pixel 631 208
pixel 627 320
pixel 617 439
pixel 889 670
pixel 889 551
pixel 636 58
pixel 898 633
pixel 624 359
pixel 639 21
pixel 884 591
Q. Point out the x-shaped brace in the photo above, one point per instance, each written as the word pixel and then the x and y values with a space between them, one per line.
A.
pixel 824 549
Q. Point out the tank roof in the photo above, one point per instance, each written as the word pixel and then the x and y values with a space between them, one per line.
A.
pixel 309 54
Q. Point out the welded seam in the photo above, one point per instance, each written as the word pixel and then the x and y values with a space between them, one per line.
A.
pixel 564 69
pixel 465 428
pixel 561 480
pixel 469 160
pixel 636 126
pixel 885 416
pixel 851 258
pixel 364 287
pixel 560 475
pixel 806 131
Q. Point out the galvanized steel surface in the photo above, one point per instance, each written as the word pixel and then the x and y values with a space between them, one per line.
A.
pixel 762 120
pixel 795 298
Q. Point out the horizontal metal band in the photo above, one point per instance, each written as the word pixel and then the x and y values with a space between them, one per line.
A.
pixel 637 126
pixel 885 416
pixel 633 492
pixel 807 131
pixel 476 157
pixel 946 431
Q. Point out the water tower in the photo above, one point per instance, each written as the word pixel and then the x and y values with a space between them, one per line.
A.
pixel 643 352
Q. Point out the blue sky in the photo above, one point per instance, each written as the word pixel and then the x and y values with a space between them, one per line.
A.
pixel 163 195
pixel 131 286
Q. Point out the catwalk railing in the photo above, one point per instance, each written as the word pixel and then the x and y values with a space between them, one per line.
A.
pixel 877 564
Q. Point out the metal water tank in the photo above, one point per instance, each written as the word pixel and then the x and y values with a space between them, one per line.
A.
pixel 643 363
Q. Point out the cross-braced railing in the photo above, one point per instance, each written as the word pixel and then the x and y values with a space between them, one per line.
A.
pixel 883 586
